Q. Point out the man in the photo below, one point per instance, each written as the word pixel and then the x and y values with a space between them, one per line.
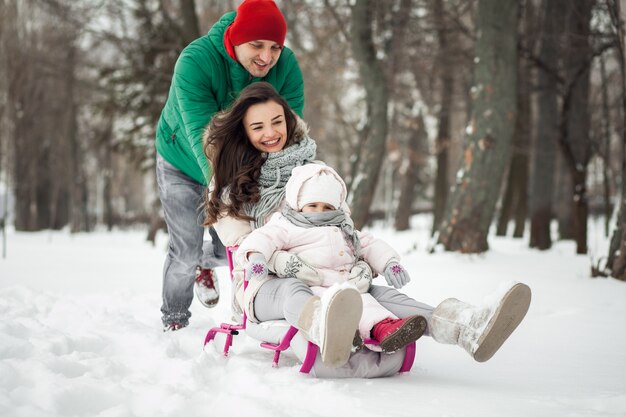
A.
pixel 241 48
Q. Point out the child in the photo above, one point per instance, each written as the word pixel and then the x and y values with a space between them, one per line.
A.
pixel 315 224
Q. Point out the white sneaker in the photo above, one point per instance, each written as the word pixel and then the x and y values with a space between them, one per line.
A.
pixel 207 287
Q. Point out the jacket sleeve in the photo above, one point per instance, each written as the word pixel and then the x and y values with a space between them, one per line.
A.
pixel 231 230
pixel 376 252
pixel 196 102
pixel 266 239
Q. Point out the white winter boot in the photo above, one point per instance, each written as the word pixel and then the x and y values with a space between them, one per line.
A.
pixel 331 321
pixel 480 330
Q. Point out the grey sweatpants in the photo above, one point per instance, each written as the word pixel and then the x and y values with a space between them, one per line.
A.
pixel 283 298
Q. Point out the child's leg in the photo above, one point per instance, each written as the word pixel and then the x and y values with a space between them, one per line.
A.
pixel 390 331
pixel 373 313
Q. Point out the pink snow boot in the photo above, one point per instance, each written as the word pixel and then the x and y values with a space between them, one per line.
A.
pixel 394 334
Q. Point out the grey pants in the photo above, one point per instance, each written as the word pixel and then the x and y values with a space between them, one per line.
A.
pixel 283 298
pixel 182 201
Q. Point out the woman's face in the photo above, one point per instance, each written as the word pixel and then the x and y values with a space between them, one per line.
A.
pixel 266 126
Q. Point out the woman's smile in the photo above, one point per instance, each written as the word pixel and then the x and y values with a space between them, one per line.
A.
pixel 271 142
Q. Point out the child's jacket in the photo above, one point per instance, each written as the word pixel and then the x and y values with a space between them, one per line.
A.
pixel 323 248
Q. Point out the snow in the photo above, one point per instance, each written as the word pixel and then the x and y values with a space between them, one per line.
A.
pixel 80 335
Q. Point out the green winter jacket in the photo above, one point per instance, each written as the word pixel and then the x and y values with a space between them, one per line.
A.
pixel 206 80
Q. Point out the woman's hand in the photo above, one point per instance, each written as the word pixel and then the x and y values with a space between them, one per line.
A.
pixel 396 275
pixel 256 268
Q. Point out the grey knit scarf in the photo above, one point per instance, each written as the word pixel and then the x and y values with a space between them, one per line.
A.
pixel 275 173
pixel 336 218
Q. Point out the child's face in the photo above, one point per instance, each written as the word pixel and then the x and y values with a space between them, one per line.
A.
pixel 317 207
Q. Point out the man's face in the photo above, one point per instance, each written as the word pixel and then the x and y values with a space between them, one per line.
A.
pixel 258 57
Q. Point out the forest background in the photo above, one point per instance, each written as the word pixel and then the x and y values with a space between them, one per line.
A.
pixel 490 114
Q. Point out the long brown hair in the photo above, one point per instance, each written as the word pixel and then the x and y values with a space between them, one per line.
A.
pixel 236 163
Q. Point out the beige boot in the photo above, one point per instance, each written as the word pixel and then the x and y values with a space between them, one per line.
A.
pixel 330 322
pixel 480 331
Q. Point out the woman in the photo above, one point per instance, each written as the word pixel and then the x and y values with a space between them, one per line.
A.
pixel 253 147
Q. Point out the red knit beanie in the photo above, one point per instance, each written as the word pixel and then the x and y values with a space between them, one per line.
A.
pixel 258 20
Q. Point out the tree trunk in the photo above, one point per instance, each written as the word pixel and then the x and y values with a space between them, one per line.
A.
pixel 563 197
pixel 514 203
pixel 574 127
pixel 442 143
pixel 616 261
pixel 189 27
pixel 25 96
pixel 617 249
pixel 78 221
pixel 606 153
pixel 373 77
pixel 107 196
pixel 4 125
pixel 543 161
pixel 410 177
pixel 472 204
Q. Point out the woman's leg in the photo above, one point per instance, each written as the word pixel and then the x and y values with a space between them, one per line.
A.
pixel 181 198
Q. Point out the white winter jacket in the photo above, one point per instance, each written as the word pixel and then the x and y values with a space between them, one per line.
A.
pixel 324 248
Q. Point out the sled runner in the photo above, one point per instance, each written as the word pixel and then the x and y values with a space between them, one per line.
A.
pixel 279 336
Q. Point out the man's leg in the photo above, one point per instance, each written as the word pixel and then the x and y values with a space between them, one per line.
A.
pixel 214 252
pixel 181 198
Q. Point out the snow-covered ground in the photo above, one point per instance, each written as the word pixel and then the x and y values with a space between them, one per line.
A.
pixel 80 335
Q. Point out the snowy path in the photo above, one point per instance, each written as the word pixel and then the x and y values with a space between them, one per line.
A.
pixel 80 335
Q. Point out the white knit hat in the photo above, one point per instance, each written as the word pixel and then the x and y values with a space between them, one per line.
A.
pixel 321 188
